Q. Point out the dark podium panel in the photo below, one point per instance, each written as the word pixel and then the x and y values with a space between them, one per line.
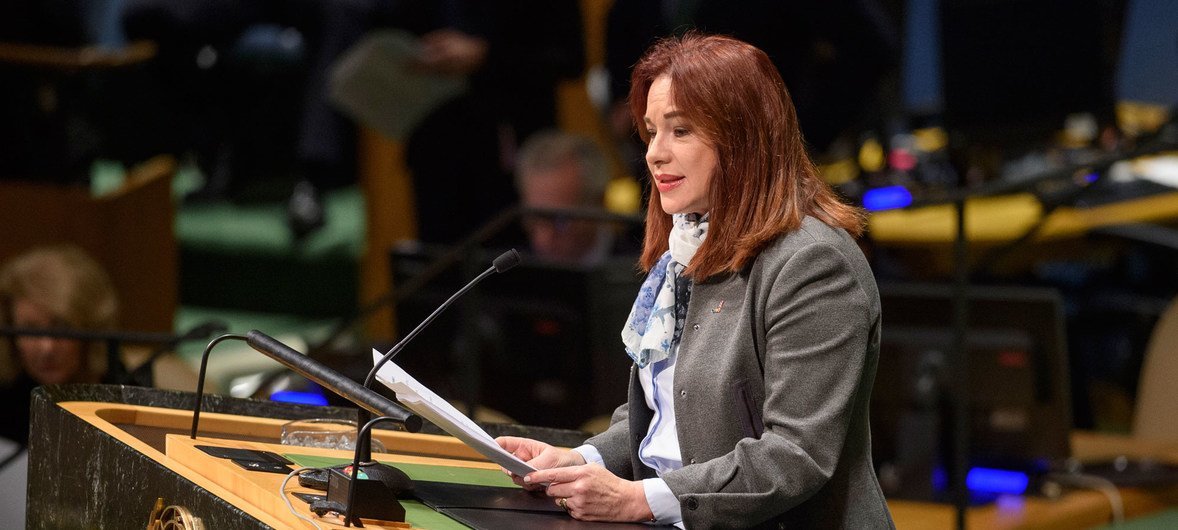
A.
pixel 83 477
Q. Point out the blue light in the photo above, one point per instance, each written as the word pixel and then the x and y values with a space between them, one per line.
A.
pixel 886 198
pixel 983 479
pixel 302 398
pixel 940 479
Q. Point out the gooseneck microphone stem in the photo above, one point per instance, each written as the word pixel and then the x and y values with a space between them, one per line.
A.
pixel 432 316
pixel 504 262
pixel 452 256
pixel 461 250
pixel 364 433
pixel 200 378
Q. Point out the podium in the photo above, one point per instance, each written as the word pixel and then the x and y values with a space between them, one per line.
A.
pixel 102 456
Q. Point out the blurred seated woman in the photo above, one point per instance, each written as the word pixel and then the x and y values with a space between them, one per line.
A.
pixel 52 287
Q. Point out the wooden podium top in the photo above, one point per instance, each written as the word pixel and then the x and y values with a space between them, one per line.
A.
pixel 260 490
pixel 152 431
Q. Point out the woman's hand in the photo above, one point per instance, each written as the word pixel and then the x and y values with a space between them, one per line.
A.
pixel 538 455
pixel 449 51
pixel 591 493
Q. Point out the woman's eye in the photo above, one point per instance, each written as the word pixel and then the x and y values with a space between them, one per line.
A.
pixel 681 131
pixel 650 133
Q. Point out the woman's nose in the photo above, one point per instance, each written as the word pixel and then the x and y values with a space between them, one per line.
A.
pixel 656 152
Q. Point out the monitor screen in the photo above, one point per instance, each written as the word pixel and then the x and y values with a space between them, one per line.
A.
pixel 540 343
pixel 1147 69
pixel 1018 386
pixel 1015 69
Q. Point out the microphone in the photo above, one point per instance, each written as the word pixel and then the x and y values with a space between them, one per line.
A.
pixel 455 254
pixel 505 262
pixel 332 380
pixel 394 480
pixel 363 457
pixel 309 368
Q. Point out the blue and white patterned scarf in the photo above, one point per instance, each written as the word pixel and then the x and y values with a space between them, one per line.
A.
pixel 656 320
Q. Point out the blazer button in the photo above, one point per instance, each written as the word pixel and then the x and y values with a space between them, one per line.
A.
pixel 692 461
pixel 692 503
pixel 695 327
pixel 682 393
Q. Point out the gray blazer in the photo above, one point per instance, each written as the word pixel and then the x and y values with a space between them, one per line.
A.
pixel 772 386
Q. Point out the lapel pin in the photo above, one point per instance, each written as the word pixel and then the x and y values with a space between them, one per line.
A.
pixel 719 307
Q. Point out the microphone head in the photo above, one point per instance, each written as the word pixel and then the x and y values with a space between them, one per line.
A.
pixel 393 478
pixel 506 261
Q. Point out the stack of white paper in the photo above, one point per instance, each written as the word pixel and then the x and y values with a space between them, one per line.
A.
pixel 432 407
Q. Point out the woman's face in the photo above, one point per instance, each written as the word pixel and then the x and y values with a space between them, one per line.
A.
pixel 681 161
pixel 48 360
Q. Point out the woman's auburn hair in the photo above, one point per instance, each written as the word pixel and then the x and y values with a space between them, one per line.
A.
pixel 764 184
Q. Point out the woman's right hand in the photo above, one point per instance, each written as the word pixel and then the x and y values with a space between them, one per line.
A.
pixel 538 455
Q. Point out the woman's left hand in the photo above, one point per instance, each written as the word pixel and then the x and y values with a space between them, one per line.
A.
pixel 592 493
pixel 449 51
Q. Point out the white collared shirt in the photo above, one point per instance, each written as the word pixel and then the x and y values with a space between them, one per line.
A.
pixel 659 449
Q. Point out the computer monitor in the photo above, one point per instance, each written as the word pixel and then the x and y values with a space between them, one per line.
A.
pixel 1013 70
pixel 1018 386
pixel 540 343
pixel 1147 70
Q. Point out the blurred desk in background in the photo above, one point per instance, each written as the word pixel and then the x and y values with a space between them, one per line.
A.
pixel 996 220
pixel 927 234
pixel 1073 509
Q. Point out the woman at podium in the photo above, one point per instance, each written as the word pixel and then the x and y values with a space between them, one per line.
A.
pixel 755 335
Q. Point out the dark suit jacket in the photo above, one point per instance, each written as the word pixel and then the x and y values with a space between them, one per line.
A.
pixel 772 386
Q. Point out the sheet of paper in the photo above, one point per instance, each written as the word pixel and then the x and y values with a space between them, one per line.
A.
pixel 432 407
pixel 376 83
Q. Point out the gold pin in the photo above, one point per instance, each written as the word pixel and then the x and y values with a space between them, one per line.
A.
pixel 719 307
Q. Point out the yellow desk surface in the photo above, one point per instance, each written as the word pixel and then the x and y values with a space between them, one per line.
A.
pixel 993 220
pixel 257 493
